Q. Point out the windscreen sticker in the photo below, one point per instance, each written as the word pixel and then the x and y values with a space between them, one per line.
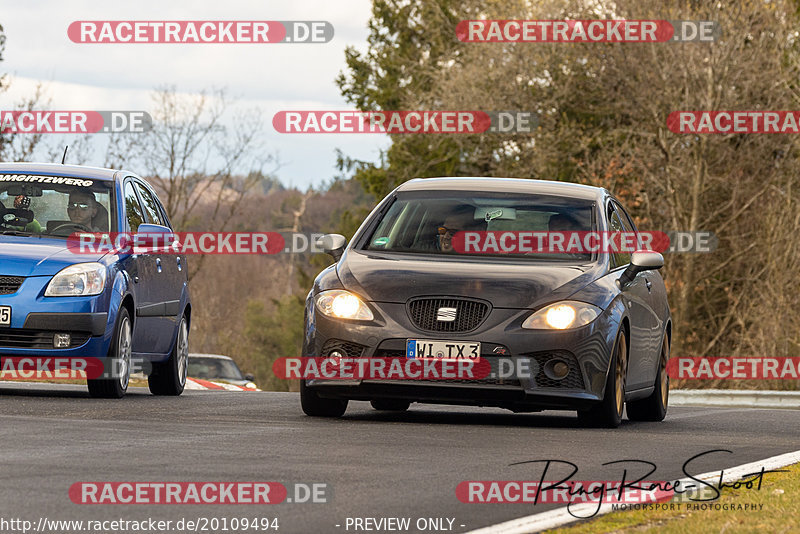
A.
pixel 45 179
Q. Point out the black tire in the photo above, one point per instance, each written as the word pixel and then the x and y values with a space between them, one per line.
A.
pixel 169 378
pixel 608 412
pixel 390 405
pixel 654 407
pixel 316 406
pixel 119 356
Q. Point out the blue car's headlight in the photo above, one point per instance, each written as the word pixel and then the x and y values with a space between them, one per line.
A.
pixel 562 315
pixel 79 280
pixel 342 304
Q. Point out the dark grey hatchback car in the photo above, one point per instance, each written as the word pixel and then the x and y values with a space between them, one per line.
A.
pixel 594 327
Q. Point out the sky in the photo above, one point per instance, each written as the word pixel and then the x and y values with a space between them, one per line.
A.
pixel 270 77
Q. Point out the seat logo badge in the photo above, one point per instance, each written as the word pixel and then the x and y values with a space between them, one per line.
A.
pixel 446 315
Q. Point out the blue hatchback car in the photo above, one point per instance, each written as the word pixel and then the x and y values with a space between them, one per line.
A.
pixel 119 307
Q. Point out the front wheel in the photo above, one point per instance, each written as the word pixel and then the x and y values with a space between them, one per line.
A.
pixel 317 406
pixel 654 407
pixel 169 377
pixel 120 358
pixel 608 413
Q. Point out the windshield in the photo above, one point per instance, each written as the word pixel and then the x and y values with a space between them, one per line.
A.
pixel 211 368
pixel 429 222
pixel 54 205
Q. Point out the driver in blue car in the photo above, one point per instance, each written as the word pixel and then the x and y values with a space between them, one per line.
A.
pixel 84 210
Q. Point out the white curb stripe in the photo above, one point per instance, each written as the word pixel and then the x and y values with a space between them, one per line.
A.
pixel 559 517
pixel 734 398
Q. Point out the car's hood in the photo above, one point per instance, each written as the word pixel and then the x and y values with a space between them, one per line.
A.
pixel 37 256
pixel 380 277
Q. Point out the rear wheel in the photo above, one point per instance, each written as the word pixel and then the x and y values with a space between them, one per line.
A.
pixel 120 359
pixel 654 407
pixel 169 377
pixel 608 413
pixel 390 405
pixel 317 406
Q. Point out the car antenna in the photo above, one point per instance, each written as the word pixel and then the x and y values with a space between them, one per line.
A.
pixel 64 157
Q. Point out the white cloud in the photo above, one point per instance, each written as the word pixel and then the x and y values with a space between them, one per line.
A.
pixel 272 77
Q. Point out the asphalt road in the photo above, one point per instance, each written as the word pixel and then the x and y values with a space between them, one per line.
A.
pixel 377 465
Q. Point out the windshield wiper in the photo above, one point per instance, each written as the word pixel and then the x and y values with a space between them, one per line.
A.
pixel 16 232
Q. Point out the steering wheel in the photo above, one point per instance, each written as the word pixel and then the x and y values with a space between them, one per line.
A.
pixel 79 226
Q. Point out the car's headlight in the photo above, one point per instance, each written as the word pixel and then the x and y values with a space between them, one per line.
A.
pixel 562 315
pixel 342 304
pixel 78 280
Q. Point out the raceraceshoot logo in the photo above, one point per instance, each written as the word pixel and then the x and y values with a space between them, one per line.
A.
pixel 45 179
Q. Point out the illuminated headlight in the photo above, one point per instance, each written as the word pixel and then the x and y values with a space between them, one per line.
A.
pixel 80 280
pixel 342 304
pixel 562 315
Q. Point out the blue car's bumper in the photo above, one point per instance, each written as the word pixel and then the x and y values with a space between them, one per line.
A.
pixel 35 319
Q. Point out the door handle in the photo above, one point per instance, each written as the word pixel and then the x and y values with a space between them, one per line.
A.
pixel 158 264
pixel 648 283
pixel 180 267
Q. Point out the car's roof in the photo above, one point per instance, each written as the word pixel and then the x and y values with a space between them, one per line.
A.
pixel 210 356
pixel 55 169
pixel 509 185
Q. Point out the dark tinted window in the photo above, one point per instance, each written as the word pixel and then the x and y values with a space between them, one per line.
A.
pixel 150 206
pixel 133 210
pixel 616 224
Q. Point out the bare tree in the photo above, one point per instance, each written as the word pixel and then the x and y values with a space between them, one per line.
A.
pixel 195 159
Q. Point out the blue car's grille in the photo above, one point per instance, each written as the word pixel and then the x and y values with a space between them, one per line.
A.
pixel 469 314
pixel 10 284
pixel 24 338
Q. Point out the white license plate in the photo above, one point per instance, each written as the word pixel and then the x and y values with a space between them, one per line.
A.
pixel 448 350
pixel 5 315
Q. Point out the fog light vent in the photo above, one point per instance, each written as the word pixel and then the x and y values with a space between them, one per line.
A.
pixel 62 341
pixel 556 369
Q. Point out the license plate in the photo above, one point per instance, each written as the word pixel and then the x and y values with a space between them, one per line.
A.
pixel 5 315
pixel 448 350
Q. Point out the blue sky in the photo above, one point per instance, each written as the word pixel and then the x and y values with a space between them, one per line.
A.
pixel 271 77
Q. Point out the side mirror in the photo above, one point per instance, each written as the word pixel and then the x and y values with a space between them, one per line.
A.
pixel 249 377
pixel 643 260
pixel 332 244
pixel 145 228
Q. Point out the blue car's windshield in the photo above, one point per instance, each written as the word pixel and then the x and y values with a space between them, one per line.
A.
pixel 54 206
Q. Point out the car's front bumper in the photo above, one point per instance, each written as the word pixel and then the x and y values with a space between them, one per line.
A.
pixel 586 350
pixel 35 319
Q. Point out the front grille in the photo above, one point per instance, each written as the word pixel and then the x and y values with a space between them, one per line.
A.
pixel 10 284
pixel 23 338
pixel 573 380
pixel 349 349
pixel 469 314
